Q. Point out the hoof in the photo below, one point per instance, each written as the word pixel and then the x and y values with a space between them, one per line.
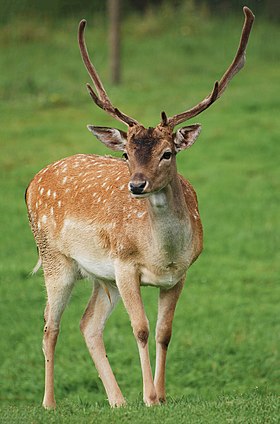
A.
pixel 152 400
pixel 49 404
pixel 118 403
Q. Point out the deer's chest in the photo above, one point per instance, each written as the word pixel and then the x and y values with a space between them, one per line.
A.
pixel 161 253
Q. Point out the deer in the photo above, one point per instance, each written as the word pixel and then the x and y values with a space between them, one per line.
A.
pixel 122 223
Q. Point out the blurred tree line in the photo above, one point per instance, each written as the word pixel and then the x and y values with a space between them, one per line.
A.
pixel 57 8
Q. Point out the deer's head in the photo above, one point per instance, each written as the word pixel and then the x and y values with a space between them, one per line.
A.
pixel 150 152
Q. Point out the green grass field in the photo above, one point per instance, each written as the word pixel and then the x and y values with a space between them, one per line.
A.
pixel 223 363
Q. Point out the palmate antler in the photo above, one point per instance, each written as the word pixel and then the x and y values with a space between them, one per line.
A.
pixel 219 86
pixel 102 100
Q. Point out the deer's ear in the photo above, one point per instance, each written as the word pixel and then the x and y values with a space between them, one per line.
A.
pixel 111 137
pixel 186 136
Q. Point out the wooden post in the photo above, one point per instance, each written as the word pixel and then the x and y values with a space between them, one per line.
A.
pixel 114 40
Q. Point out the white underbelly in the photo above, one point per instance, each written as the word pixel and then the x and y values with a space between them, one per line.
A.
pixel 102 269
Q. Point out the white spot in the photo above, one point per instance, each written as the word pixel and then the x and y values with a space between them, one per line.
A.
pixel 39 225
pixel 94 194
pixel 59 203
pixel 64 180
pixel 54 194
pixel 49 193
pixel 140 214
pixel 40 179
pixel 42 190
pixel 44 219
pixel 196 214
pixel 51 210
pixel 111 225
pixel 122 187
pixel 37 205
pixel 89 186
pixel 67 190
pixel 99 199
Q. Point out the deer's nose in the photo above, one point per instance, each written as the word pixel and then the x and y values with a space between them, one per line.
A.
pixel 137 187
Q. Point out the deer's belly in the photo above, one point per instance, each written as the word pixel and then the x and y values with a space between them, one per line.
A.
pixel 104 269
pixel 100 268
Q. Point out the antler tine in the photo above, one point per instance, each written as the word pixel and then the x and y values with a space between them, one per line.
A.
pixel 101 100
pixel 220 86
pixel 240 57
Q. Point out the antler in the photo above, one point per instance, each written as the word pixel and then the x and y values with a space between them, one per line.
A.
pixel 219 86
pixel 102 100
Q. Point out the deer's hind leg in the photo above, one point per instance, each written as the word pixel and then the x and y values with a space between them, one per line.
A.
pixel 60 275
pixel 101 304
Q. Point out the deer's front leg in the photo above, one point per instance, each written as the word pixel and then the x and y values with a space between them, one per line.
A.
pixel 166 308
pixel 128 283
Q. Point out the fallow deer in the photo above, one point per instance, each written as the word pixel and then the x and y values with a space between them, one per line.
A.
pixel 123 223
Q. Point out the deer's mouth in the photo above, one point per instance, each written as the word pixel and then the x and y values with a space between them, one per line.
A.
pixel 140 196
pixel 146 193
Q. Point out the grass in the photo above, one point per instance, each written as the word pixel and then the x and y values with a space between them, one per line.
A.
pixel 249 408
pixel 223 363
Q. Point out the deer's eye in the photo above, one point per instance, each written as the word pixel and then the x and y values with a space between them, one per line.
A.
pixel 166 155
pixel 125 156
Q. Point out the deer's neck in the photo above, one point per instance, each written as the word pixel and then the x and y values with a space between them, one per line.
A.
pixel 169 200
pixel 169 219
